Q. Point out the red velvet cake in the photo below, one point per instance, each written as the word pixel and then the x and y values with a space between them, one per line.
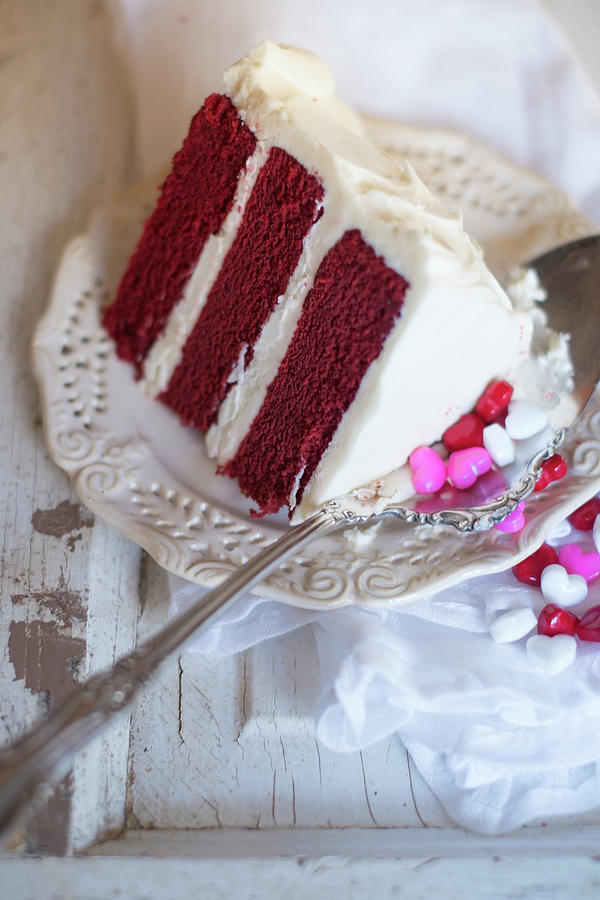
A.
pixel 295 293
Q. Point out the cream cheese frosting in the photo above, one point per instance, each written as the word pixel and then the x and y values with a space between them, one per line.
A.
pixel 457 330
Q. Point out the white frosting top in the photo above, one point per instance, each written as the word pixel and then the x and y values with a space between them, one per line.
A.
pixel 286 96
pixel 457 329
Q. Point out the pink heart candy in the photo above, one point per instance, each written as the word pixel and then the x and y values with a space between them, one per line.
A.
pixel 429 470
pixel 576 562
pixel 465 466
pixel 514 521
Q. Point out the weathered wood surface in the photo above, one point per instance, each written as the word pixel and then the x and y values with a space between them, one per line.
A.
pixel 64 148
pixel 292 864
pixel 231 744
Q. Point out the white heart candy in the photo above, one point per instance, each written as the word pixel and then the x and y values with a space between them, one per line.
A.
pixel 498 444
pixel 512 625
pixel 561 588
pixel 562 530
pixel 524 419
pixel 551 654
pixel 596 533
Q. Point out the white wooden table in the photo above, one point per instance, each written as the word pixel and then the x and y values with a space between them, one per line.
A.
pixel 216 783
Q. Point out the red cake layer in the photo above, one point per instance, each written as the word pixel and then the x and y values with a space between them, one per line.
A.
pixel 281 209
pixel 348 313
pixel 195 199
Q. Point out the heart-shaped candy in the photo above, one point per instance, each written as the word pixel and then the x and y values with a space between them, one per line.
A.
pixel 554 620
pixel 465 466
pixel 551 654
pixel 596 533
pixel 501 419
pixel 584 517
pixel 428 470
pixel 530 569
pixel 494 400
pixel 487 486
pixel 514 521
pixel 498 444
pixel 524 419
pixel 467 432
pixel 553 469
pixel 576 562
pixel 561 588
pixel 560 531
pixel 589 625
pixel 512 625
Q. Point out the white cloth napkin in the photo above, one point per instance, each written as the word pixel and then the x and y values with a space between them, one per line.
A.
pixel 498 742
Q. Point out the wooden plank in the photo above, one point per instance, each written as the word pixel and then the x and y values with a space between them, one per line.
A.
pixel 359 843
pixel 418 878
pixel 231 743
pixel 64 149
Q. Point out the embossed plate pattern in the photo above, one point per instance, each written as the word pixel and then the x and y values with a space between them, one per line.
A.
pixel 133 464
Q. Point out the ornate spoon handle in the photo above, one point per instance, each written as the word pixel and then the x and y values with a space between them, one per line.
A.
pixel 44 756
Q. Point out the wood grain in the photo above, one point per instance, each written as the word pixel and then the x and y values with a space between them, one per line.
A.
pixel 231 743
pixel 393 863
pixel 64 148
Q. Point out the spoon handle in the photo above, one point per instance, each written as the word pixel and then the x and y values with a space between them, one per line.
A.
pixel 39 760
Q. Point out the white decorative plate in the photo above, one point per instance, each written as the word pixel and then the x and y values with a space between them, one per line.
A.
pixel 134 465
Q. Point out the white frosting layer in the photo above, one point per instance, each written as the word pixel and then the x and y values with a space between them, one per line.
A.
pixel 166 352
pixel 457 329
pixel 246 396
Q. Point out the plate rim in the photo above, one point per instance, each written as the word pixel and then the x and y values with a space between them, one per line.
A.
pixel 208 572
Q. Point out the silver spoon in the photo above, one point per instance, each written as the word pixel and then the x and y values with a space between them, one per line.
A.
pixel 32 766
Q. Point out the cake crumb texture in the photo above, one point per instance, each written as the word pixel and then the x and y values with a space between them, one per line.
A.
pixel 281 210
pixel 195 199
pixel 348 313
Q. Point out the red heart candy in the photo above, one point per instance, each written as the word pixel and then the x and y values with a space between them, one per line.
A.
pixel 553 469
pixel 494 400
pixel 554 619
pixel 584 517
pixel 589 625
pixel 501 419
pixel 530 569
pixel 467 432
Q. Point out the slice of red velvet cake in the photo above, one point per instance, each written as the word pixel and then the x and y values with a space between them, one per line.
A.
pixel 304 299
